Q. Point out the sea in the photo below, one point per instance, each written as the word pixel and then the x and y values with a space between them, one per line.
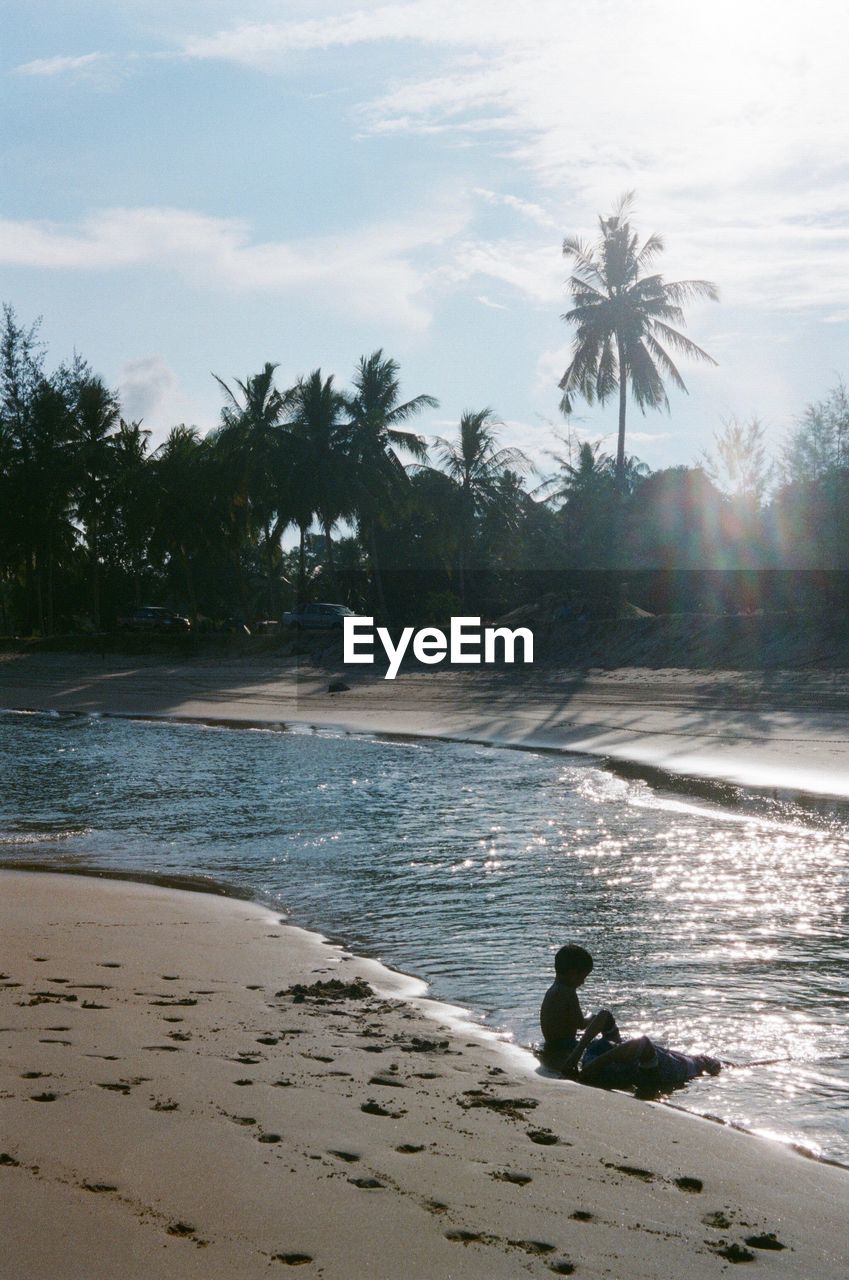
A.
pixel 717 917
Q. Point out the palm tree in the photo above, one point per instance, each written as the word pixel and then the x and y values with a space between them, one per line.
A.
pixel 188 501
pixel 96 413
pixel 252 440
pixel 132 505
pixel 377 414
pixel 46 476
pixel 476 465
pixel 319 423
pixel 623 318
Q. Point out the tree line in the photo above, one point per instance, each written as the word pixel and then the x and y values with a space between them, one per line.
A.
pixel 93 521
pixel 322 491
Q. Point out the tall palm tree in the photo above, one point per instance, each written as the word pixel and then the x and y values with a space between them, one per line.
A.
pixel 476 465
pixel 377 414
pixel 624 316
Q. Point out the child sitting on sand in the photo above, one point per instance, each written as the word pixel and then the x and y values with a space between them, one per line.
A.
pixel 600 1056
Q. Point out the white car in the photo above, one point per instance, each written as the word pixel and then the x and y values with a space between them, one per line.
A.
pixel 317 617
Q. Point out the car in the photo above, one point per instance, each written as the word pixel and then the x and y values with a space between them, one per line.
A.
pixel 153 618
pixel 317 617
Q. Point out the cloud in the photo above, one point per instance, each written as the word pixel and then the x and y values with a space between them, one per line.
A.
pixel 727 119
pixel 527 208
pixel 60 66
pixel 381 271
pixel 149 390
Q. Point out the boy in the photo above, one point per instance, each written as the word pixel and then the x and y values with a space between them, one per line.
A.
pixel 608 1061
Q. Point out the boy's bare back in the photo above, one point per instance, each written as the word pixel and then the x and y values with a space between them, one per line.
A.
pixel 560 1016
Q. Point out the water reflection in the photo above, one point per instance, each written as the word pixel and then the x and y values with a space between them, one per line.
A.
pixel 715 927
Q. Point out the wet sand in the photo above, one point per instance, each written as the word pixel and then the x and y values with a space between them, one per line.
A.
pixel 173 1105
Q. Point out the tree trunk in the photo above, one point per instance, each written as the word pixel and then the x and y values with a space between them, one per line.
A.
pixel 269 552
pixel 302 563
pixel 95 576
pixel 50 591
pixel 378 577
pixel 623 401
pixel 328 547
pixel 190 584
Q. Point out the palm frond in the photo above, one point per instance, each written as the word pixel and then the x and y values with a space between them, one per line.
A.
pixel 682 343
pixel 689 290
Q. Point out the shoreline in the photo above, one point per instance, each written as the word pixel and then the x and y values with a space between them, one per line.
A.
pixel 216 1193
pixel 778 731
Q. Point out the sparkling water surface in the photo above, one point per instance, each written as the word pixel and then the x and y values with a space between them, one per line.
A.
pixel 716 927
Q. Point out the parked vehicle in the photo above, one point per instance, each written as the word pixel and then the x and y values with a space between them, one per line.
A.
pixel 317 617
pixel 152 618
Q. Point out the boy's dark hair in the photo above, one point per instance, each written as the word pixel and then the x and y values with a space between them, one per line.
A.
pixel 572 959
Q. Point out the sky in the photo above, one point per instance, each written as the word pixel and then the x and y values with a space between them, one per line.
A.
pixel 199 186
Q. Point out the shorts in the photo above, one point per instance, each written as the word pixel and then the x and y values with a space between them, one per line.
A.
pixel 672 1067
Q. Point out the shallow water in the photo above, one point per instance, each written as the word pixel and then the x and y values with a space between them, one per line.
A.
pixel 715 927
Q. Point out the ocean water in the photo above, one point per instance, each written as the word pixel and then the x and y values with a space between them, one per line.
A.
pixel 716 926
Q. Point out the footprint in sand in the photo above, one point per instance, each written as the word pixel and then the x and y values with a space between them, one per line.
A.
pixel 168 1105
pixel 269 1137
pixel 767 1240
pixel 347 1156
pixel 540 1248
pixel 409 1149
pixel 719 1219
pixel 98 1187
pixel 34 1075
pixel 692 1185
pixel 581 1215
pixel 181 1229
pixel 8 1161
pixel 562 1268
pixel 510 1175
pixel 543 1137
pixel 108 964
pixel 460 1236
pixel 733 1252
pixel 291 1259
pixel 632 1171
pixel 372 1108
pixel 243 1082
pixel 44 1097
pixel 367 1184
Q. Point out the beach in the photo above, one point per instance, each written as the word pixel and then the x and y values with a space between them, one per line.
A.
pixel 182 1097
pixel 172 1107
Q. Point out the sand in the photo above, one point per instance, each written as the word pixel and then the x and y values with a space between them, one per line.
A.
pixel 170 1107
